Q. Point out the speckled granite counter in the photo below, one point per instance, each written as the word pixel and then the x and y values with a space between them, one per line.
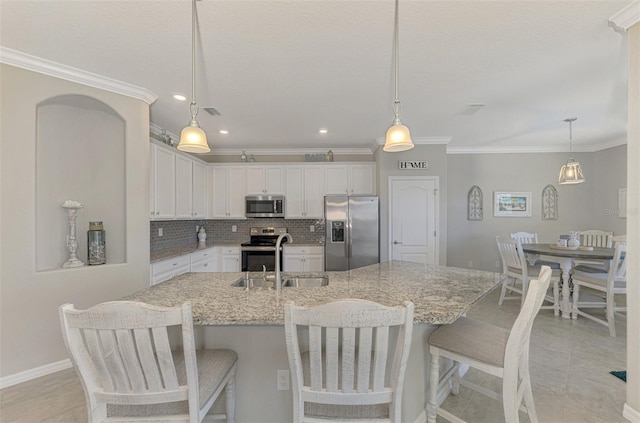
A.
pixel 181 250
pixel 440 294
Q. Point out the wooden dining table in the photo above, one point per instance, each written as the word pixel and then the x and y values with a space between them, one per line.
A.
pixel 565 256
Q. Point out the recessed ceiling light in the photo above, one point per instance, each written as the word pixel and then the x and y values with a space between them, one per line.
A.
pixel 179 97
pixel 323 131
pixel 224 131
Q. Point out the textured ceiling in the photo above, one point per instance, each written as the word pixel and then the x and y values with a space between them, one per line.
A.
pixel 279 70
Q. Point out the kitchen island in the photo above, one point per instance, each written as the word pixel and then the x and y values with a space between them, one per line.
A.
pixel 251 322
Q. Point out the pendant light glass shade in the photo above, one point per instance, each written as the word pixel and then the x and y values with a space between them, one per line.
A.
pixel 398 136
pixel 571 172
pixel 192 138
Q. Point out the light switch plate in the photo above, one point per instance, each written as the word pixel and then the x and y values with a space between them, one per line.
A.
pixel 282 383
pixel 312 228
pixel 234 228
pixel 160 232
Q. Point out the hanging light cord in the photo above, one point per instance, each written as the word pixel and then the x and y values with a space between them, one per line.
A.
pixel 396 103
pixel 193 106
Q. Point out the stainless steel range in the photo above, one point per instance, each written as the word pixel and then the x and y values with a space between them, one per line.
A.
pixel 261 249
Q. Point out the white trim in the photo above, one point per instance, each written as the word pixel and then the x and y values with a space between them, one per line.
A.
pixel 421 140
pixel 531 149
pixel 287 151
pixel 625 18
pixel 58 70
pixel 630 414
pixel 35 373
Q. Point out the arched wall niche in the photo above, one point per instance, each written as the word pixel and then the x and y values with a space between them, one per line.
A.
pixel 80 156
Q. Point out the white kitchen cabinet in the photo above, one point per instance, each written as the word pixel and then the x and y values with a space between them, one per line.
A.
pixel 228 192
pixel 199 196
pixel 351 179
pixel 204 260
pixel 263 180
pixel 303 258
pixel 163 176
pixel 304 192
pixel 184 187
pixel 228 258
pixel 170 268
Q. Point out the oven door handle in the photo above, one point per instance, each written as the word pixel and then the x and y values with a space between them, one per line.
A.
pixel 249 248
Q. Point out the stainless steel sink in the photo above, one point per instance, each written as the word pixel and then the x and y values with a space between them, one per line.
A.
pixel 305 282
pixel 257 282
pixel 287 282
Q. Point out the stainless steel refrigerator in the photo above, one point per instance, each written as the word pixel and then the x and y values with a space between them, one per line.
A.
pixel 352 231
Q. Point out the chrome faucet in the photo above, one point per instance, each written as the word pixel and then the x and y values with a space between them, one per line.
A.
pixel 278 279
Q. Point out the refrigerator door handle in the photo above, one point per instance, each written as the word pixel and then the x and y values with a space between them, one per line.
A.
pixel 349 239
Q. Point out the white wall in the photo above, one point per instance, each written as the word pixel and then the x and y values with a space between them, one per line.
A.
pixel 29 329
pixel 590 205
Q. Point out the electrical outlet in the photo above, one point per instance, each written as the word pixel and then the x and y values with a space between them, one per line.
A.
pixel 234 228
pixel 282 382
pixel 469 264
pixel 312 228
pixel 497 264
pixel 160 232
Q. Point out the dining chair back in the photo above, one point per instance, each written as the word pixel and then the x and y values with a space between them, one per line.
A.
pixel 350 358
pixel 517 269
pixel 609 284
pixel 525 237
pixel 492 349
pixel 122 354
pixel 596 238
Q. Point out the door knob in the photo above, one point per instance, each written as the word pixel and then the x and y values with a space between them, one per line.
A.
pixel 397 242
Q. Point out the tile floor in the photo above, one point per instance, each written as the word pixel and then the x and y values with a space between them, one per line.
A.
pixel 570 364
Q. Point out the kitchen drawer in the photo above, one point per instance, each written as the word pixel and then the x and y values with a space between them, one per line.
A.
pixel 230 250
pixel 202 266
pixel 201 255
pixel 306 250
pixel 171 265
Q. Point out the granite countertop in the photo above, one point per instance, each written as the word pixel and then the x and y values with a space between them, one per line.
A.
pixel 168 253
pixel 440 294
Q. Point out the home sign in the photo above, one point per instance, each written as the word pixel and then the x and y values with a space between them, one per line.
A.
pixel 413 165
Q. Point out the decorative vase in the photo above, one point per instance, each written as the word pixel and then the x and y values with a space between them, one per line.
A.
pixel 574 240
pixel 96 245
pixel 72 207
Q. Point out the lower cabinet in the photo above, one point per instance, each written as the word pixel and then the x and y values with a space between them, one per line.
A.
pixel 170 268
pixel 303 259
pixel 228 259
pixel 204 260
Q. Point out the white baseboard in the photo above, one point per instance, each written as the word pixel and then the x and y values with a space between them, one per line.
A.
pixel 631 414
pixel 47 369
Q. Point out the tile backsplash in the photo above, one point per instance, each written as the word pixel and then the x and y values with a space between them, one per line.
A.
pixel 182 232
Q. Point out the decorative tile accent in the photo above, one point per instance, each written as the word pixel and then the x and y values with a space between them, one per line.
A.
pixel 183 232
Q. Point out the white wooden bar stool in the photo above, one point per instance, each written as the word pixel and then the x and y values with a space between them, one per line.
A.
pixel 349 362
pixel 121 352
pixel 493 350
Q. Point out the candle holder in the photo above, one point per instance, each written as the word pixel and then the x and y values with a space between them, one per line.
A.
pixel 72 207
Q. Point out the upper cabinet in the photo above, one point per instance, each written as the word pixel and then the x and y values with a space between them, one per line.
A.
pixel 163 174
pixel 304 192
pixel 177 185
pixel 228 192
pixel 263 180
pixel 351 179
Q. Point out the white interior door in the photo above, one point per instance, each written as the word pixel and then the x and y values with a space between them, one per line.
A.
pixel 413 216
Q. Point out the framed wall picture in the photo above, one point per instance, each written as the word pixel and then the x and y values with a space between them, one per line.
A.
pixel 512 204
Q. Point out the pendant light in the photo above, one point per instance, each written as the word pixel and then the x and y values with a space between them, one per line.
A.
pixel 398 135
pixel 571 172
pixel 192 138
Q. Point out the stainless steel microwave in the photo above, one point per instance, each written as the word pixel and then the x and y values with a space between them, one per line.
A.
pixel 264 206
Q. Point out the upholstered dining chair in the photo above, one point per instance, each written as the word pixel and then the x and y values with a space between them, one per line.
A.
pixel 500 352
pixel 532 238
pixel 519 271
pixel 359 368
pixel 129 373
pixel 594 238
pixel 605 285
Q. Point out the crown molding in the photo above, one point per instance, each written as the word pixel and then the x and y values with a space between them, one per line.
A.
pixel 421 140
pixel 592 148
pixel 626 18
pixel 47 67
pixel 286 151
